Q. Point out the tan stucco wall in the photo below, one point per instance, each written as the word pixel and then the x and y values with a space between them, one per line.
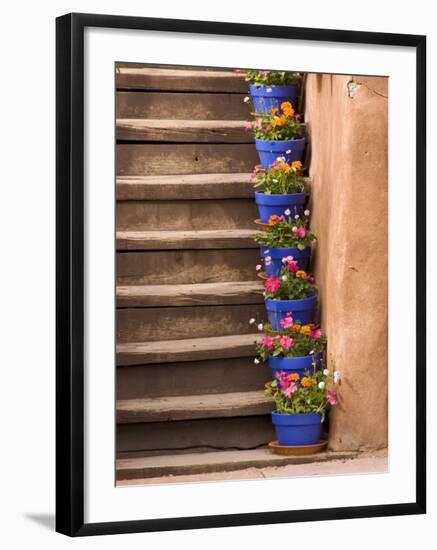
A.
pixel 347 124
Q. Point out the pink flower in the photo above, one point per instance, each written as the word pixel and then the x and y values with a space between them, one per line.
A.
pixel 249 125
pixel 311 279
pixel 272 284
pixel 284 379
pixel 259 123
pixel 238 71
pixel 293 266
pixel 264 73
pixel 301 232
pixel 268 342
pixel 317 333
pixel 286 342
pixel 331 396
pixel 288 392
pixel 267 129
pixel 287 322
pixel 268 260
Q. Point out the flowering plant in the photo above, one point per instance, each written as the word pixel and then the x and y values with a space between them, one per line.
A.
pixel 292 284
pixel 270 78
pixel 310 394
pixel 287 232
pixel 295 340
pixel 280 178
pixel 277 124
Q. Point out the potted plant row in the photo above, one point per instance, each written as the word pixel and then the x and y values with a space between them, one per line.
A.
pixel 287 236
pixel 300 405
pixel 279 188
pixel 269 89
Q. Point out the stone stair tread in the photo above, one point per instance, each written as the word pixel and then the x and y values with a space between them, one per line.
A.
pixel 222 405
pixel 233 292
pixel 154 78
pixel 183 187
pixel 189 349
pixel 146 129
pixel 195 239
pixel 216 461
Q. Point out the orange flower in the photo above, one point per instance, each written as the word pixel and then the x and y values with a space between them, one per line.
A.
pixel 287 108
pixel 308 382
pixel 275 111
pixel 275 219
pixel 284 168
pixel 295 328
pixel 295 376
pixel 296 164
pixel 306 329
pixel 301 274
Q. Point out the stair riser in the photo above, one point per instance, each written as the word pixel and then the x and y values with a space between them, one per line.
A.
pixel 191 378
pixel 147 324
pixel 191 435
pixel 186 266
pixel 192 158
pixel 188 106
pixel 196 214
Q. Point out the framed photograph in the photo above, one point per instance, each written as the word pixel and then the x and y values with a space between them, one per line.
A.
pixel 240 274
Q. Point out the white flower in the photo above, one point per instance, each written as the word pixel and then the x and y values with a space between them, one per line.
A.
pixel 260 327
pixel 321 385
pixel 268 90
pixel 266 252
pixel 288 151
pixel 256 361
pixel 258 267
pixel 307 212
pixel 311 352
pixel 251 321
pixel 287 212
pixel 246 99
pixel 326 372
pixel 296 217
pixel 280 159
pixel 294 229
pixel 284 277
pixel 337 377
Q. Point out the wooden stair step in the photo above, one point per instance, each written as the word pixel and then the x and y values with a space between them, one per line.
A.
pixel 190 349
pixel 234 292
pixel 215 131
pixel 219 461
pixel 183 187
pixel 153 78
pixel 182 105
pixel 177 240
pixel 186 407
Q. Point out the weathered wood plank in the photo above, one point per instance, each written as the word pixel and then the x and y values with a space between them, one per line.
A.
pixel 176 240
pixel 218 461
pixel 186 80
pixel 189 349
pixel 184 187
pixel 214 131
pixel 155 438
pixel 188 105
pixel 174 323
pixel 191 377
pixel 184 407
pixel 234 292
pixel 141 159
pixel 186 215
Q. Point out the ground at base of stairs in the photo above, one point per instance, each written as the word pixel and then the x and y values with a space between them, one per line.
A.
pixel 362 463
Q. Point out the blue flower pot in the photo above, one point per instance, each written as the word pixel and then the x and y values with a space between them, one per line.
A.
pixel 297 429
pixel 270 205
pixel 264 100
pixel 292 365
pixel 269 151
pixel 276 254
pixel 301 310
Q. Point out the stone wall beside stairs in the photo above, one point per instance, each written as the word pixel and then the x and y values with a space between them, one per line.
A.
pixel 347 121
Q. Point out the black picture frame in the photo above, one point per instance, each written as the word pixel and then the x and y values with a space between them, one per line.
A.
pixel 70 273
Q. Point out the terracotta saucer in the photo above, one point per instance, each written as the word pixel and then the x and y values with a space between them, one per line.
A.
pixel 297 450
pixel 261 225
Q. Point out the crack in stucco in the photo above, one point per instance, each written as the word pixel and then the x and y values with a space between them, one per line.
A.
pixel 372 90
pixel 352 88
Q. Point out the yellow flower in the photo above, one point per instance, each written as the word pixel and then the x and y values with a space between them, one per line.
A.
pixel 296 164
pixel 295 376
pixel 308 382
pixel 301 274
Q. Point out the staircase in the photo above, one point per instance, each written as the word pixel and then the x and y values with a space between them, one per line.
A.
pixel 186 284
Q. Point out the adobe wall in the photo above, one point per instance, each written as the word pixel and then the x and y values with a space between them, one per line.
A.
pixel 347 123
